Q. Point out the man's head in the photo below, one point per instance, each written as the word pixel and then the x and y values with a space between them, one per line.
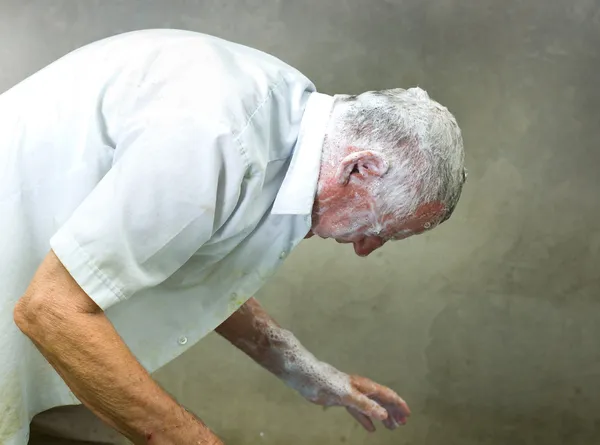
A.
pixel 392 167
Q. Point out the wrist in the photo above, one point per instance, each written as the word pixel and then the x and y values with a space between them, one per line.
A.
pixel 301 371
pixel 180 428
pixel 290 360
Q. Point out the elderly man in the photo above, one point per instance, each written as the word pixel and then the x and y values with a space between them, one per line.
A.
pixel 151 183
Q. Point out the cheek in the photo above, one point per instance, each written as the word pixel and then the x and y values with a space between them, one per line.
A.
pixel 345 223
pixel 344 214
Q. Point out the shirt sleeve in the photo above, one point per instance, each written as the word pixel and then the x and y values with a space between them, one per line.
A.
pixel 164 197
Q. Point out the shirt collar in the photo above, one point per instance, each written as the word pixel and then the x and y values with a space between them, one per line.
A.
pixel 297 192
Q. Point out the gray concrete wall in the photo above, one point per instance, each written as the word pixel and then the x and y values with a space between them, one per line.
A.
pixel 489 325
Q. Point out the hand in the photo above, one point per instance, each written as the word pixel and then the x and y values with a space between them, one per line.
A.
pixel 252 330
pixel 359 403
pixel 364 399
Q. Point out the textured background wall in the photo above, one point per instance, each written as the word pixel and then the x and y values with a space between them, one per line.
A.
pixel 489 325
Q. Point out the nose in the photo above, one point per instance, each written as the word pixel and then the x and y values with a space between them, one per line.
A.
pixel 366 246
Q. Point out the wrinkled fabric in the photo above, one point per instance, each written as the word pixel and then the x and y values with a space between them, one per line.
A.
pixel 171 172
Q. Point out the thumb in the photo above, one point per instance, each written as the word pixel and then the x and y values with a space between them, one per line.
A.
pixel 368 407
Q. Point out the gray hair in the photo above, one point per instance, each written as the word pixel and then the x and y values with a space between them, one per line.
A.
pixel 419 138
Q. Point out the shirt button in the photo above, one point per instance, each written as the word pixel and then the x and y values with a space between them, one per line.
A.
pixel 182 340
pixel 282 254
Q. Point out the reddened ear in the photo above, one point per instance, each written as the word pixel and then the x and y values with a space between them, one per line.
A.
pixel 366 164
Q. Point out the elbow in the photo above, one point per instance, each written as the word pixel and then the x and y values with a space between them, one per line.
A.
pixel 51 303
pixel 21 314
pixel 31 314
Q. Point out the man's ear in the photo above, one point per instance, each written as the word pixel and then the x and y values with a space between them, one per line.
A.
pixel 366 164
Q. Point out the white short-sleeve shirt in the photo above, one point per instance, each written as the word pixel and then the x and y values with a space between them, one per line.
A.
pixel 171 172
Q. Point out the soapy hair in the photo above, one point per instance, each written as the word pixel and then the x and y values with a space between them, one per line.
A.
pixel 419 139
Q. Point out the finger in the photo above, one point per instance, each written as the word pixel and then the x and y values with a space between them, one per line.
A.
pixel 398 403
pixel 394 412
pixel 368 407
pixel 363 384
pixel 390 423
pixel 398 415
pixel 382 394
pixel 362 419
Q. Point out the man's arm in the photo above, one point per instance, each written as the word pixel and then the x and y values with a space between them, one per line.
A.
pixel 254 332
pixel 79 341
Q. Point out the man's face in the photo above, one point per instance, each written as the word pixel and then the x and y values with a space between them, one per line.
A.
pixel 354 220
pixel 346 210
pixel 365 241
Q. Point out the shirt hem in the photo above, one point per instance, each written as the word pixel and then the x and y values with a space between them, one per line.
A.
pixel 85 272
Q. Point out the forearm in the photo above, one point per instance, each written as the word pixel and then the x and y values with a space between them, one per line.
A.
pixel 106 377
pixel 253 331
pixel 87 352
pixel 276 349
